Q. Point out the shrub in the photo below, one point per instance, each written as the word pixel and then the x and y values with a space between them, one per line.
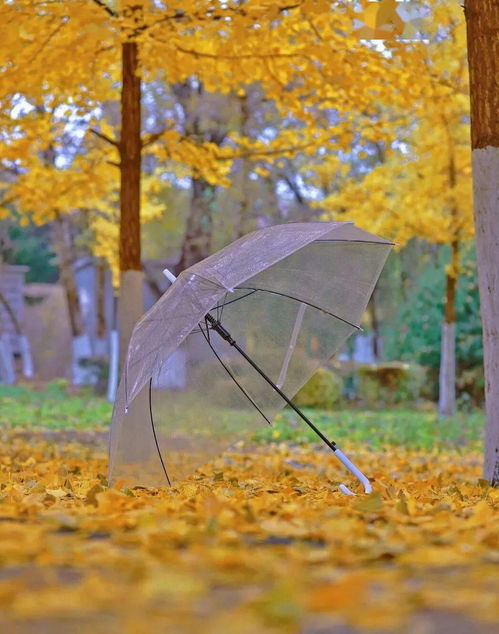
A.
pixel 387 384
pixel 322 391
pixel 471 387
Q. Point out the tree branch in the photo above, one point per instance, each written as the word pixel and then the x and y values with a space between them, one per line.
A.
pixel 242 56
pixel 149 139
pixel 212 15
pixel 104 137
pixel 11 314
pixel 294 188
pixel 47 40
pixel 262 153
pixel 107 9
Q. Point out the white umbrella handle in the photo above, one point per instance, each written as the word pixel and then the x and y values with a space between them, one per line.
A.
pixel 356 472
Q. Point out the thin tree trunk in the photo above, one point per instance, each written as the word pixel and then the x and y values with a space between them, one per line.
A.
pixel 198 124
pixel 482 19
pixel 241 219
pixel 447 405
pixel 447 382
pixel 131 302
pixel 373 312
pixel 12 315
pixel 80 340
pixel 197 241
pixel 100 343
pixel 64 246
pixel 100 292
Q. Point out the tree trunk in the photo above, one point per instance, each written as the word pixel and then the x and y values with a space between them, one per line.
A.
pixel 482 19
pixel 241 220
pixel 64 245
pixel 447 381
pixel 11 314
pixel 131 302
pixel 373 312
pixel 197 241
pixel 100 299
pixel 101 341
pixel 202 126
pixel 80 340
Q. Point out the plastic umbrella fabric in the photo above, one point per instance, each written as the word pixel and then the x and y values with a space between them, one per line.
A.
pixel 231 342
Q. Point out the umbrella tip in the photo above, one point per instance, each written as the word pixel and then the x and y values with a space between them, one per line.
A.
pixel 169 275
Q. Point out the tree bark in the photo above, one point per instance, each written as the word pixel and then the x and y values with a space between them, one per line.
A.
pixel 80 340
pixel 201 123
pixel 131 302
pixel 197 241
pixel 241 220
pixel 64 246
pixel 447 405
pixel 373 312
pixel 100 297
pixel 482 21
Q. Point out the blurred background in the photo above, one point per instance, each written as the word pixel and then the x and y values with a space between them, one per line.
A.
pixel 386 148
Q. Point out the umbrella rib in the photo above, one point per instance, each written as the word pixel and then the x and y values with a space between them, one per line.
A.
pixel 231 374
pixel 252 292
pixel 232 301
pixel 154 433
pixel 303 301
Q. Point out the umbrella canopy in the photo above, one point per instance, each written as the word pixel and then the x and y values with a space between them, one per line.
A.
pixel 289 295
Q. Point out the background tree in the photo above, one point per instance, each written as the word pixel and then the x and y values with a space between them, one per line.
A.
pixel 293 52
pixel 421 185
pixel 482 20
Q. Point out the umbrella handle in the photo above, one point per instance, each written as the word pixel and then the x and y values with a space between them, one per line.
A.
pixel 356 472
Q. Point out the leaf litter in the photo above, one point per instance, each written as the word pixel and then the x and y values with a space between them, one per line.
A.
pixel 257 541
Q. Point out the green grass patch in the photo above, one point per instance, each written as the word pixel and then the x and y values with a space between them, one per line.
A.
pixel 403 428
pixel 52 408
pixel 55 407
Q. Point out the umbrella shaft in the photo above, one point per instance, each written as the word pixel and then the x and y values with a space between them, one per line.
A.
pixel 218 328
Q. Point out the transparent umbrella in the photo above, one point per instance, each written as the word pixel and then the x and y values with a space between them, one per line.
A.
pixel 232 341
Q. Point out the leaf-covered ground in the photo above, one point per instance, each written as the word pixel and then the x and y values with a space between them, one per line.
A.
pixel 260 541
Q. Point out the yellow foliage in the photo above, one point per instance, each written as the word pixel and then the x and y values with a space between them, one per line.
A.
pixel 65 63
pixel 423 187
